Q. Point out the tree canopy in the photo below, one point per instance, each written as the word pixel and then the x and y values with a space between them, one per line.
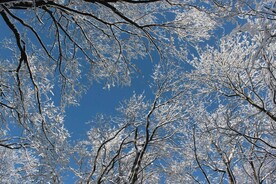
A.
pixel 211 115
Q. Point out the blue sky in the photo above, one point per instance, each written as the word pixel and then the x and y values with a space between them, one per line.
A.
pixel 98 100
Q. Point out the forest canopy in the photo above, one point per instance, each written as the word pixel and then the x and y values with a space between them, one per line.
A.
pixel 211 114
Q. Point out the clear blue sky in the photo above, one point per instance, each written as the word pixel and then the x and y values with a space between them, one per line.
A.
pixel 105 101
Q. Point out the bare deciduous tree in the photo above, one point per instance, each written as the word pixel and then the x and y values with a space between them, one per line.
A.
pixel 212 124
